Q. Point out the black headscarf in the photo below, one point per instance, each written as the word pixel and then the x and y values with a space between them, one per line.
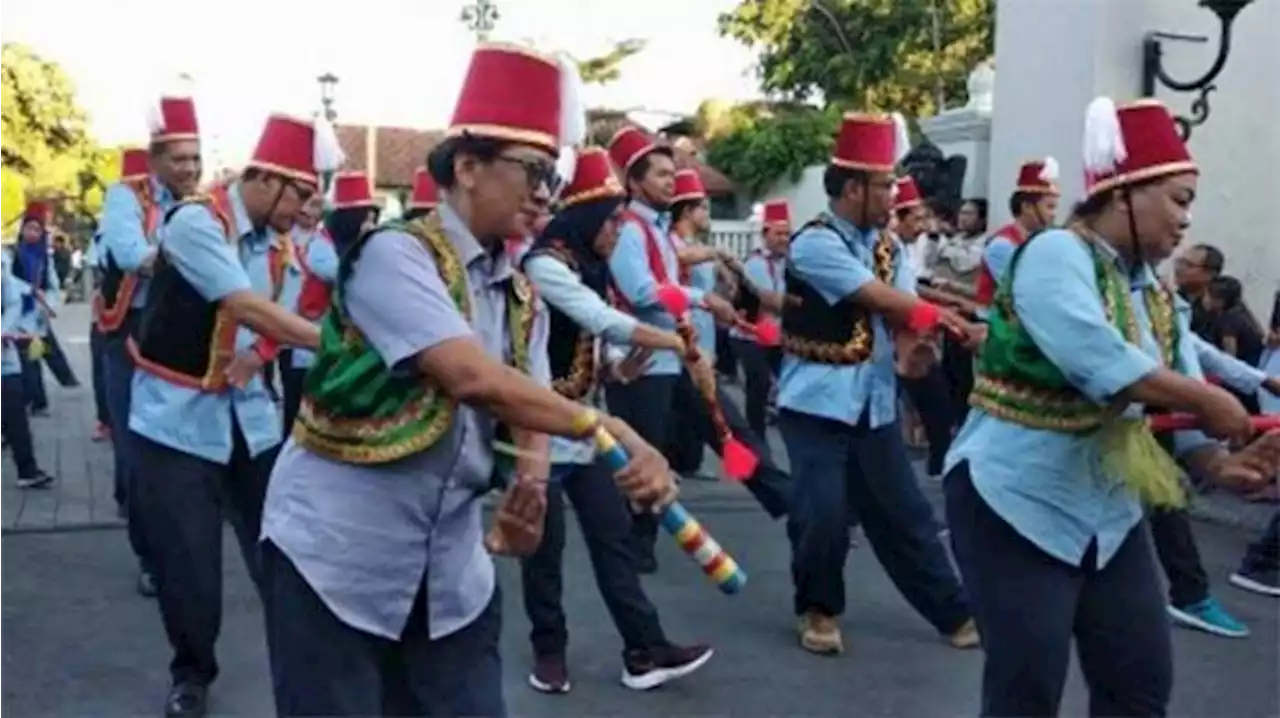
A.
pixel 344 225
pixel 574 229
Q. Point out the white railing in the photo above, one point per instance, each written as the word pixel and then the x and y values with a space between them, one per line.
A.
pixel 738 236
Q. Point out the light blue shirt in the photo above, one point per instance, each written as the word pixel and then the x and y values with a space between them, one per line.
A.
pixel 837 264
pixel 1217 363
pixel 702 277
pixel 362 534
pixel 997 254
pixel 186 419
pixel 322 260
pixel 124 236
pixel 559 287
pixel 1050 486
pixel 12 290
pixel 35 322
pixel 633 280
pixel 763 278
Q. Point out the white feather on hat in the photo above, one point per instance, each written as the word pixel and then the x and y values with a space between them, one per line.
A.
pixel 1049 172
pixel 1103 140
pixel 327 155
pixel 901 138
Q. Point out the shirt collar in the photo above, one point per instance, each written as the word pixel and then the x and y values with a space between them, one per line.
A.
pixel 1139 278
pixel 849 228
pixel 497 264
pixel 659 219
pixel 240 215
pixel 161 193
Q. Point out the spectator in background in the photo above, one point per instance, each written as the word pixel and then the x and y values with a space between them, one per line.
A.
pixel 1193 270
pixel 971 221
pixel 1233 328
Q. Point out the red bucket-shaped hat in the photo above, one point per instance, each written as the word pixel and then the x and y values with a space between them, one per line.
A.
pixel 629 144
pixel 593 179
pixel 689 187
pixel 906 193
pixel 777 213
pixel 351 190
pixel 520 95
pixel 133 164
pixel 298 149
pixel 871 143
pixel 425 194
pixel 1131 143
pixel 1038 177
pixel 173 119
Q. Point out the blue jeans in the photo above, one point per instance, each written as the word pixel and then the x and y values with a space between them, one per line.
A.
pixel 835 468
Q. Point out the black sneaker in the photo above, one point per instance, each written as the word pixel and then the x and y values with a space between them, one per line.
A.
pixel 1265 581
pixel 643 670
pixel 41 480
pixel 187 700
pixel 550 675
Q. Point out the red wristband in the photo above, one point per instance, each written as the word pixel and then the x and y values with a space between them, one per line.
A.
pixel 923 317
pixel 266 348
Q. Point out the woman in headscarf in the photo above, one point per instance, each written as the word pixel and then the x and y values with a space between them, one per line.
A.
pixel 33 264
pixel 567 264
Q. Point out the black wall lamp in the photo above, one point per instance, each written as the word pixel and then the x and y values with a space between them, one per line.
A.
pixel 1153 71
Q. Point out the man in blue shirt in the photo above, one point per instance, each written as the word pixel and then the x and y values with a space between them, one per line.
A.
pixel 644 259
pixel 203 424
pixel 151 183
pixel 849 289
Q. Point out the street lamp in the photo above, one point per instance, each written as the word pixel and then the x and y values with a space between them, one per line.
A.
pixel 480 18
pixel 1153 70
pixel 327 82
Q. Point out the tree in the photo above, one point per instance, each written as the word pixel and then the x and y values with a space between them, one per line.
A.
pixel 603 69
pixel 758 144
pixel 45 145
pixel 877 55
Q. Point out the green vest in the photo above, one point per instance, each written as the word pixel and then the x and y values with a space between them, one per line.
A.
pixel 354 408
pixel 1014 381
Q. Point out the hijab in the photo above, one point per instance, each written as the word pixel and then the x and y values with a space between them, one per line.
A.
pixel 574 230
pixel 33 260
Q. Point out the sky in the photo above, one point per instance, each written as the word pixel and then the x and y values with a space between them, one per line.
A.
pixel 399 62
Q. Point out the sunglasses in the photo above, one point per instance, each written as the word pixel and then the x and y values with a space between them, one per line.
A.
pixel 537 173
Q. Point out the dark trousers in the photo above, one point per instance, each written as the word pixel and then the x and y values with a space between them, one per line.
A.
pixel 97 352
pixel 117 371
pixel 1179 557
pixel 645 404
pixel 605 521
pixel 17 425
pixel 182 501
pixel 957 369
pixel 933 402
pixel 321 666
pixel 33 371
pixel 1264 554
pixel 291 387
pixel 1029 606
pixel 760 367
pixel 837 467
pixel 726 360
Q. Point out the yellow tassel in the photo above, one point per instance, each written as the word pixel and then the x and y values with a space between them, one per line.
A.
pixel 37 349
pixel 1131 453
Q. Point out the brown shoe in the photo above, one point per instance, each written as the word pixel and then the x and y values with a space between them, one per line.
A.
pixel 820 634
pixel 966 636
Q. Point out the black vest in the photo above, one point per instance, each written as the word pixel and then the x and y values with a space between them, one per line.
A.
pixel 570 349
pixel 747 300
pixel 839 333
pixel 182 335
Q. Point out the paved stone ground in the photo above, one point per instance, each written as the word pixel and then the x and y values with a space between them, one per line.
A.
pixel 82 497
pixel 79 642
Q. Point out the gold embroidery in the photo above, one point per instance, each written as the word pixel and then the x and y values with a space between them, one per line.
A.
pixel 862 341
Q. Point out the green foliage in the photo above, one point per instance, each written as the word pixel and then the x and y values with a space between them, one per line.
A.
pixel 889 63
pixel 757 145
pixel 606 68
pixel 46 146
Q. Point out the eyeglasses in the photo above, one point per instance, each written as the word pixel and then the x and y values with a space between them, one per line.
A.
pixel 537 173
